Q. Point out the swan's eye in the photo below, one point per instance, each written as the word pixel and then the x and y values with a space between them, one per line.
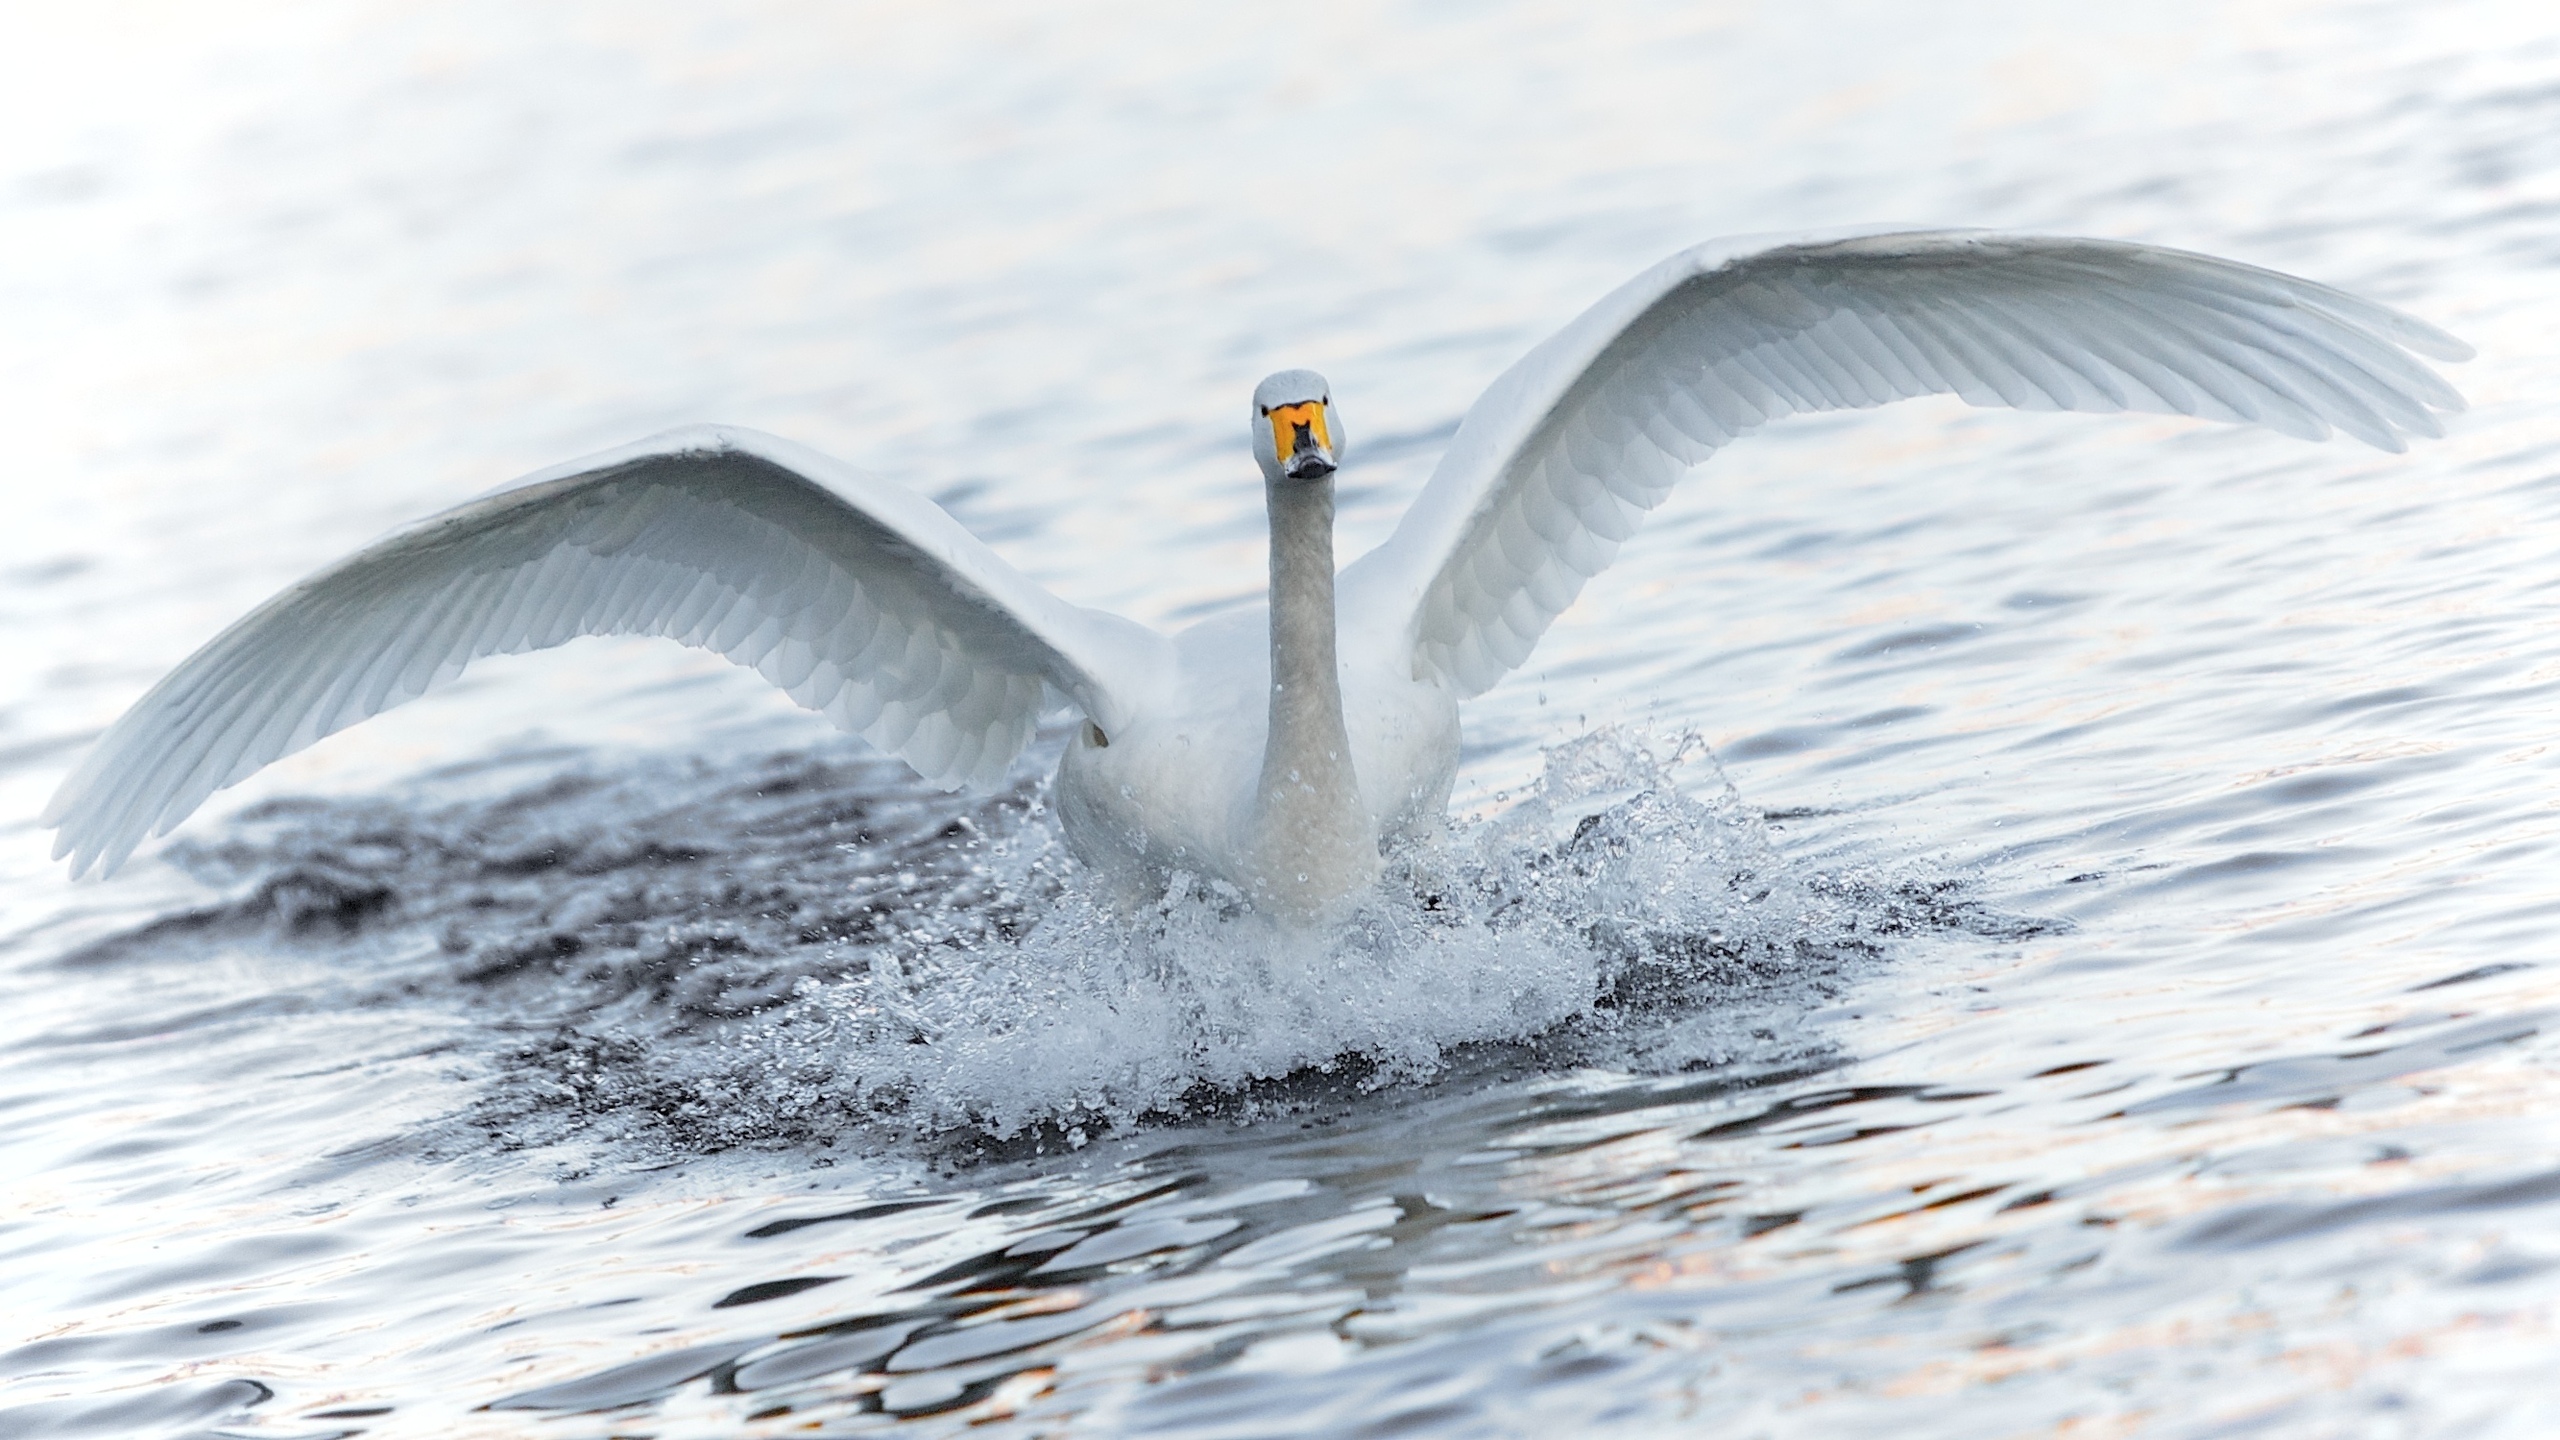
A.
pixel 1094 737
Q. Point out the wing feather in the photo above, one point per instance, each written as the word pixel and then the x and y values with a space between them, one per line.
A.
pixel 1563 455
pixel 856 598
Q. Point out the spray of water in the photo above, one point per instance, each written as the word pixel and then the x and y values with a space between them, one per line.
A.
pixel 811 950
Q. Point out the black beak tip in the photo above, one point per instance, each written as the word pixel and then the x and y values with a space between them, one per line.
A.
pixel 1308 466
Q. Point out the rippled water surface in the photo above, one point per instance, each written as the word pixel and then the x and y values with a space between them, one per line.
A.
pixel 1980 925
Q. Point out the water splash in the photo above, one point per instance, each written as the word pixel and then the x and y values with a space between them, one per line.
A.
pixel 1606 893
pixel 813 949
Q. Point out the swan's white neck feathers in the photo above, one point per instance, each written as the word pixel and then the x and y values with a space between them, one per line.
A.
pixel 1313 840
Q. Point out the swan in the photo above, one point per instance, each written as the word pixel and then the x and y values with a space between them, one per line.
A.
pixel 1277 750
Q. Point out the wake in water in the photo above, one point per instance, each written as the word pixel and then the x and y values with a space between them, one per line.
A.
pixel 819 950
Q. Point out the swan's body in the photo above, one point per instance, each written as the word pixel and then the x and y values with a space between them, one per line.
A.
pixel 1199 761
pixel 1189 785
pixel 1279 749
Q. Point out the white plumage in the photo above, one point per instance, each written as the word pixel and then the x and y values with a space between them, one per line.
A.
pixel 1561 458
pixel 871 605
pixel 860 599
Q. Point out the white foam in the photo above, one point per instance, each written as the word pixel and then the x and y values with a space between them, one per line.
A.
pixel 1506 931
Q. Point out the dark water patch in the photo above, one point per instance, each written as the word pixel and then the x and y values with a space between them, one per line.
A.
pixel 2477 972
pixel 307 901
pixel 1782 814
pixel 2249 1226
pixel 1786 740
pixel 1009 1300
pixel 1796 1107
pixel 2253 863
pixel 623 1385
pixel 47 571
pixel 1018 1297
pixel 2389 697
pixel 855 1346
pixel 2239 874
pixel 764 1290
pixel 1580 1105
pixel 868 1212
pixel 1943 1202
pixel 963 1342
pixel 2320 785
pixel 159 1409
pixel 1918 638
pixel 670 863
pixel 2305 1079
pixel 1022 1205
pixel 1001 1270
pixel 2503 1269
pixel 1918 1275
pixel 1335 1090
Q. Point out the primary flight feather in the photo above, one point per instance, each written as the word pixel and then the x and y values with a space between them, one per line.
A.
pixel 1277 749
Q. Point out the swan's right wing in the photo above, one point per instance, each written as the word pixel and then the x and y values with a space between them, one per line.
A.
pixel 860 599
pixel 1562 456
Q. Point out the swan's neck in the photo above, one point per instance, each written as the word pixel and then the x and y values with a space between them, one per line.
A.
pixel 1315 843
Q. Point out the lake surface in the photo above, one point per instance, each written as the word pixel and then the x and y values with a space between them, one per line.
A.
pixel 1979 925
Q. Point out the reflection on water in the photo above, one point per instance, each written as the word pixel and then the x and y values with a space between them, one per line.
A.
pixel 2085 974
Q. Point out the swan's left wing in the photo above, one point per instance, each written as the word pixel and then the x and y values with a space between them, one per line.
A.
pixel 1561 458
pixel 860 599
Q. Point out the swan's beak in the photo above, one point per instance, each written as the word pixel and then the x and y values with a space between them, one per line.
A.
pixel 1299 437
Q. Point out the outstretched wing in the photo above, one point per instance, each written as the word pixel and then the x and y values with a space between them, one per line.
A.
pixel 858 598
pixel 1561 458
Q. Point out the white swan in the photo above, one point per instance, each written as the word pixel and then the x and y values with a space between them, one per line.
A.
pixel 1275 750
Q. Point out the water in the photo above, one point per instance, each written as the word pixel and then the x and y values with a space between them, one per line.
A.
pixel 1980 924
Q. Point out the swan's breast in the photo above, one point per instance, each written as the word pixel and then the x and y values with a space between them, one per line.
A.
pixel 1174 790
pixel 1404 744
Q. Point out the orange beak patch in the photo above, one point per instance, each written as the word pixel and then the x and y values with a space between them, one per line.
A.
pixel 1285 420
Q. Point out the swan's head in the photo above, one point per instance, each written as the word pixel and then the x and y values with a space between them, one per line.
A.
pixel 1296 434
